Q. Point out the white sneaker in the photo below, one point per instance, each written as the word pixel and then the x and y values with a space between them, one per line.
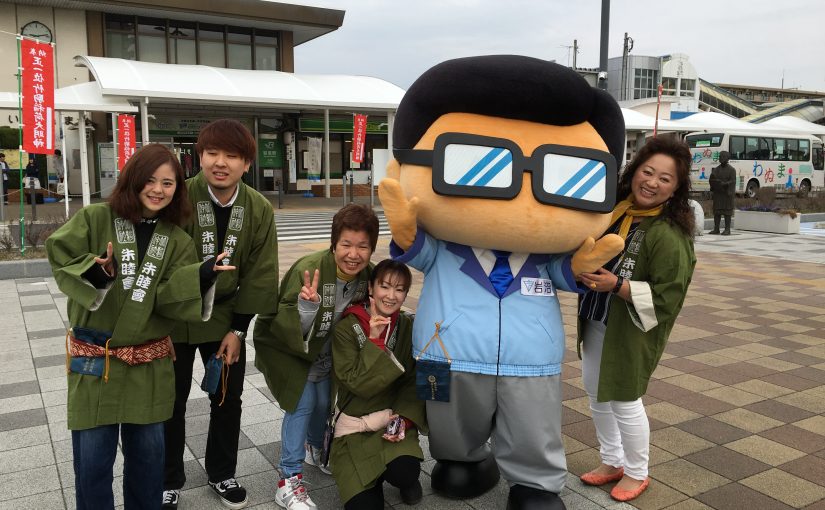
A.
pixel 170 499
pixel 313 458
pixel 292 494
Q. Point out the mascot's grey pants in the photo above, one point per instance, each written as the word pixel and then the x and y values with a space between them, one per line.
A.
pixel 520 415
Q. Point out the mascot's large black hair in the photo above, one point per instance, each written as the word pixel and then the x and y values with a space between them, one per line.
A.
pixel 511 87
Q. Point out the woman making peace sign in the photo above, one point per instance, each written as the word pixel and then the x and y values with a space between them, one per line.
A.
pixel 130 272
pixel 293 347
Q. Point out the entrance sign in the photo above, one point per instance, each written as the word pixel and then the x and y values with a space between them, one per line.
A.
pixel 37 61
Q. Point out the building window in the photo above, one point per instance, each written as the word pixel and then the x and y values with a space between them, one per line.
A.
pixel 669 86
pixel 266 50
pixel 211 48
pixel 239 48
pixel 645 83
pixel 185 42
pixel 152 40
pixel 182 47
pixel 687 87
pixel 120 37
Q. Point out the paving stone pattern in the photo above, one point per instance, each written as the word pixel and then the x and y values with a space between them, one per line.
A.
pixel 736 407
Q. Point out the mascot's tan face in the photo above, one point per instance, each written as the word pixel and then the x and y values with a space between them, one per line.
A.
pixel 522 224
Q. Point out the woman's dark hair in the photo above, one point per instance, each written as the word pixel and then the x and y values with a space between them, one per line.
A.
pixel 125 199
pixel 228 135
pixel 359 218
pixel 387 268
pixel 677 210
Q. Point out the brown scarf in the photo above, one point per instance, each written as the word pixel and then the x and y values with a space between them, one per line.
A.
pixel 625 208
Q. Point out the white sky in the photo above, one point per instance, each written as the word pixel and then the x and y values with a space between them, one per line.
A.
pixel 749 42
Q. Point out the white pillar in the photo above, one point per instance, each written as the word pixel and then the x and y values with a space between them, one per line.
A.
pixel 144 120
pixel 84 163
pixel 390 123
pixel 65 165
pixel 326 153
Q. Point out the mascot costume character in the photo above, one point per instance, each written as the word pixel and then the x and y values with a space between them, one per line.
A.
pixel 504 172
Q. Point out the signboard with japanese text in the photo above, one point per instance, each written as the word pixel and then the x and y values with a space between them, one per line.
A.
pixel 125 139
pixel 37 61
pixel 359 135
pixel 270 151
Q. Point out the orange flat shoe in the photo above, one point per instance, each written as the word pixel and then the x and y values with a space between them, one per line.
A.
pixel 592 478
pixel 623 495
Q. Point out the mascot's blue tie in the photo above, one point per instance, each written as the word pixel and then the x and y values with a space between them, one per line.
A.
pixel 501 277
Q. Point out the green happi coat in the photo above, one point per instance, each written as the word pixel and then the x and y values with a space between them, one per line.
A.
pixel 282 353
pixel 661 255
pixel 253 287
pixel 143 393
pixel 369 380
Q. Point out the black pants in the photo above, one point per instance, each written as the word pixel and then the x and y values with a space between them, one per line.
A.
pixel 224 420
pixel 402 472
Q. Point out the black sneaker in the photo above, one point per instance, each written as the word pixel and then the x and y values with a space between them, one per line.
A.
pixel 170 499
pixel 412 495
pixel 231 493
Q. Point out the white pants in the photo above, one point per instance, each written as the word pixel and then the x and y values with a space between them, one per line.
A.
pixel 621 427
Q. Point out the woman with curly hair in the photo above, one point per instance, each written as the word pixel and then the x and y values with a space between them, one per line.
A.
pixel 630 307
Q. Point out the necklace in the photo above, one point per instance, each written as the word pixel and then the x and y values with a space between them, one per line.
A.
pixel 149 221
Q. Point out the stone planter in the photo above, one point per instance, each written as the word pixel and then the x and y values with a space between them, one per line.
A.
pixel 772 222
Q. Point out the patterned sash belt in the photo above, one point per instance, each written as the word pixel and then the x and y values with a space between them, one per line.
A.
pixel 131 354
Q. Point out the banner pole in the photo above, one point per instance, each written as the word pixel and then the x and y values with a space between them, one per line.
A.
pixel 20 141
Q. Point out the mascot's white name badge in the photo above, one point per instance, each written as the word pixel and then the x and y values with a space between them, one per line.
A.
pixel 537 287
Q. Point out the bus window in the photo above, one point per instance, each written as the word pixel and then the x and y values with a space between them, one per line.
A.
pixel 819 158
pixel 779 149
pixel 756 148
pixel 804 150
pixel 704 140
pixel 737 147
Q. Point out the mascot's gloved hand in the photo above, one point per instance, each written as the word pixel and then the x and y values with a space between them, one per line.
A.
pixel 592 255
pixel 402 214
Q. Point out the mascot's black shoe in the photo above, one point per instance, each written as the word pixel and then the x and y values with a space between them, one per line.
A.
pixel 463 480
pixel 527 498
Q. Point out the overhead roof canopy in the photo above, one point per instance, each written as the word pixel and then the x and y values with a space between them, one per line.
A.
pixel 199 84
pixel 305 22
pixel 75 98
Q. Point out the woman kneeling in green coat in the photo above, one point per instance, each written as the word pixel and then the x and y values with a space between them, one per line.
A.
pixel 376 434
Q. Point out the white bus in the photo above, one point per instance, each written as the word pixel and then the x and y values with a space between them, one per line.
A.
pixel 792 162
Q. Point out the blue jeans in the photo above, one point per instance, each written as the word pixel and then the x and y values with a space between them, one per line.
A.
pixel 94 455
pixel 305 425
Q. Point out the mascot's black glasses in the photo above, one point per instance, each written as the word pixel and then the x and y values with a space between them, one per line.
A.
pixel 481 166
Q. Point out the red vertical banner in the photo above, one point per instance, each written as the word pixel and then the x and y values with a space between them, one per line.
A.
pixel 125 139
pixel 37 60
pixel 359 136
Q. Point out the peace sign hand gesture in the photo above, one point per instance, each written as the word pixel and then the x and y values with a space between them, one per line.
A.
pixel 309 292
pixel 378 323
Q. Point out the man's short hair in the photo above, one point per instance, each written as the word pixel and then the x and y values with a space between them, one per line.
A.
pixel 2 155
pixel 227 135
pixel 510 87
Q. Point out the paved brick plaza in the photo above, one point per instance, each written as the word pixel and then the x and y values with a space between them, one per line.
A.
pixel 737 406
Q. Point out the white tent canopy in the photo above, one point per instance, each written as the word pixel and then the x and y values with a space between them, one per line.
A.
pixel 710 121
pixel 637 121
pixel 794 123
pixel 194 83
pixel 74 98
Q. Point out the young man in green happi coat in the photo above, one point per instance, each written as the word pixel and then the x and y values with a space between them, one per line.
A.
pixel 230 217
pixel 293 348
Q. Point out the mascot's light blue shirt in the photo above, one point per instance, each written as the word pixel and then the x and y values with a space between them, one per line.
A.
pixel 520 334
